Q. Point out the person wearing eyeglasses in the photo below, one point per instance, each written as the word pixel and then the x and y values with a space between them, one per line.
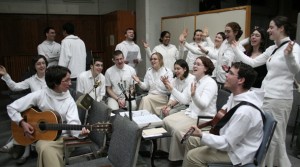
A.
pixel 201 95
pixel 92 82
pixel 282 61
pixel 34 83
pixel 55 97
pixel 240 137
pixel 157 93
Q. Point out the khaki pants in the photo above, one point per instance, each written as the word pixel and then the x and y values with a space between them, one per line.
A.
pixel 50 153
pixel 280 109
pixel 200 155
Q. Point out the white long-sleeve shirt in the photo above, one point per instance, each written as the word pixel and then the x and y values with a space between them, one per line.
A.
pixel 203 102
pixel 51 50
pixel 180 85
pixel 153 83
pixel 170 54
pixel 278 83
pixel 242 135
pixel 73 55
pixel 46 99
pixel 224 56
pixel 34 83
pixel 85 84
pixel 130 48
pixel 191 55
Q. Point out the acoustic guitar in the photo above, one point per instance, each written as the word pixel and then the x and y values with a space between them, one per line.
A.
pixel 48 126
pixel 220 114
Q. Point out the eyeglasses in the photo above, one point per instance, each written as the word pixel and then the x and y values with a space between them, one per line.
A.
pixel 67 80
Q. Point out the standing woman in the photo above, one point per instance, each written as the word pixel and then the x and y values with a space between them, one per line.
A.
pixel 225 55
pixel 211 51
pixel 257 47
pixel 182 80
pixel 282 60
pixel 34 83
pixel 169 51
pixel 158 94
pixel 198 40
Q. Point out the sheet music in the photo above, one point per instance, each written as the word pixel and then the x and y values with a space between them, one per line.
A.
pixel 131 55
pixel 148 121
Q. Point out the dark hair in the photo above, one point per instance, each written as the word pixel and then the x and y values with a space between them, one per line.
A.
pixel 208 64
pixel 182 63
pixel 36 59
pixel 284 21
pixel 235 28
pixel 93 61
pixel 247 72
pixel 160 58
pixel 69 28
pixel 263 42
pixel 197 30
pixel 55 74
pixel 222 35
pixel 162 34
pixel 47 29
pixel 117 53
pixel 127 29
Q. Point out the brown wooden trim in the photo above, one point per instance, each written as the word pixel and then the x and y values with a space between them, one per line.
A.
pixel 207 12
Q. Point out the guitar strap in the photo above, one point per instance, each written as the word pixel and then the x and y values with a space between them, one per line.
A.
pixel 229 114
pixel 279 46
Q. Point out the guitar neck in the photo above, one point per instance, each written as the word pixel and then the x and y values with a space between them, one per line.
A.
pixel 44 126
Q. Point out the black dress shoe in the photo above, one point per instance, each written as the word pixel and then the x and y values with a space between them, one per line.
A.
pixel 5 149
pixel 21 160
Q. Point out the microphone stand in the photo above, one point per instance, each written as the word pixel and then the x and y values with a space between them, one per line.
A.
pixel 127 98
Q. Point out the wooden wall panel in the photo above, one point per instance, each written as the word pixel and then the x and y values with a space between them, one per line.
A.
pixel 20 35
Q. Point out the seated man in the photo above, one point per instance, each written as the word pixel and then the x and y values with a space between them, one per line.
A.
pixel 88 80
pixel 241 136
pixel 55 97
pixel 117 78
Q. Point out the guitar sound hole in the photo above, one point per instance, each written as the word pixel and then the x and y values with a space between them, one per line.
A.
pixel 42 126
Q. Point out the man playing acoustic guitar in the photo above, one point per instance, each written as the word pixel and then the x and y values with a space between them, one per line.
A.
pixel 55 97
pixel 241 135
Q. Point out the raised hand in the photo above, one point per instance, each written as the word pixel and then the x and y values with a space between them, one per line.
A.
pixel 183 35
pixel 288 50
pixel 2 70
pixel 205 32
pixel 193 88
pixel 146 45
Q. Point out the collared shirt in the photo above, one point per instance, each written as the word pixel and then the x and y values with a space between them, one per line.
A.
pixel 33 83
pixel 153 83
pixel 242 135
pixel 85 84
pixel 115 76
pixel 51 50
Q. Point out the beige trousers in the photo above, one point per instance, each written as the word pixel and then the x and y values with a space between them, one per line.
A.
pixel 177 125
pixel 280 109
pixel 50 153
pixel 153 103
pixel 114 105
pixel 200 155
